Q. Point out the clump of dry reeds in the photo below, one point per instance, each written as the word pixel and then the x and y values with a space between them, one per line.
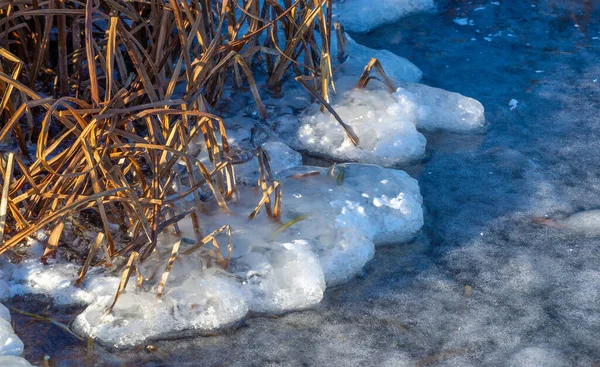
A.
pixel 101 99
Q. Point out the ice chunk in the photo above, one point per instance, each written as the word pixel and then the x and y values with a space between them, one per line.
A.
pixel 203 301
pixel 361 16
pixel 4 313
pixel 395 202
pixel 587 222
pixel 461 21
pixel 513 104
pixel 385 125
pixel 292 278
pixel 441 109
pixel 10 344
pixel 11 347
pixel 348 196
pixel 56 280
pixel 333 218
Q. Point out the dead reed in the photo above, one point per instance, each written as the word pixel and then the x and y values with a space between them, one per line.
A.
pixel 100 100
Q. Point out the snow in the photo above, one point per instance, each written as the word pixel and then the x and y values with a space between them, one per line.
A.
pixel 363 15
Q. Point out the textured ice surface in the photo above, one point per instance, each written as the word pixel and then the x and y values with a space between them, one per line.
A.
pixel 202 301
pixel 10 344
pixel 385 123
pixel 339 215
pixel 443 110
pixel 364 15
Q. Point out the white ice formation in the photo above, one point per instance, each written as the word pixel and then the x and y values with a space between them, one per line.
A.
pixel 336 218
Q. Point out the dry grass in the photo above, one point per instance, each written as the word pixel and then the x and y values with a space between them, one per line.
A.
pixel 112 92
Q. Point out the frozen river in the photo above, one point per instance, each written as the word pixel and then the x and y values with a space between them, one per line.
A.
pixel 502 274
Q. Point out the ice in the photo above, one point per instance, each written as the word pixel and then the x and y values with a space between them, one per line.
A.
pixel 513 104
pixel 443 110
pixel 461 21
pixel 203 301
pixel 336 216
pixel 496 278
pixel 385 123
pixel 33 277
pixel 292 280
pixel 364 15
pixel 4 288
pixel 535 356
pixel 11 347
pixel 10 344
pixel 587 222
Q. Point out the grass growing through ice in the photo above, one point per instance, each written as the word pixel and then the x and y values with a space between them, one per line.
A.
pixel 112 92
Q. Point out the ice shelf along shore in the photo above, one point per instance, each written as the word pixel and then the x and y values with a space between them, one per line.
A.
pixel 336 216
pixel 339 215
